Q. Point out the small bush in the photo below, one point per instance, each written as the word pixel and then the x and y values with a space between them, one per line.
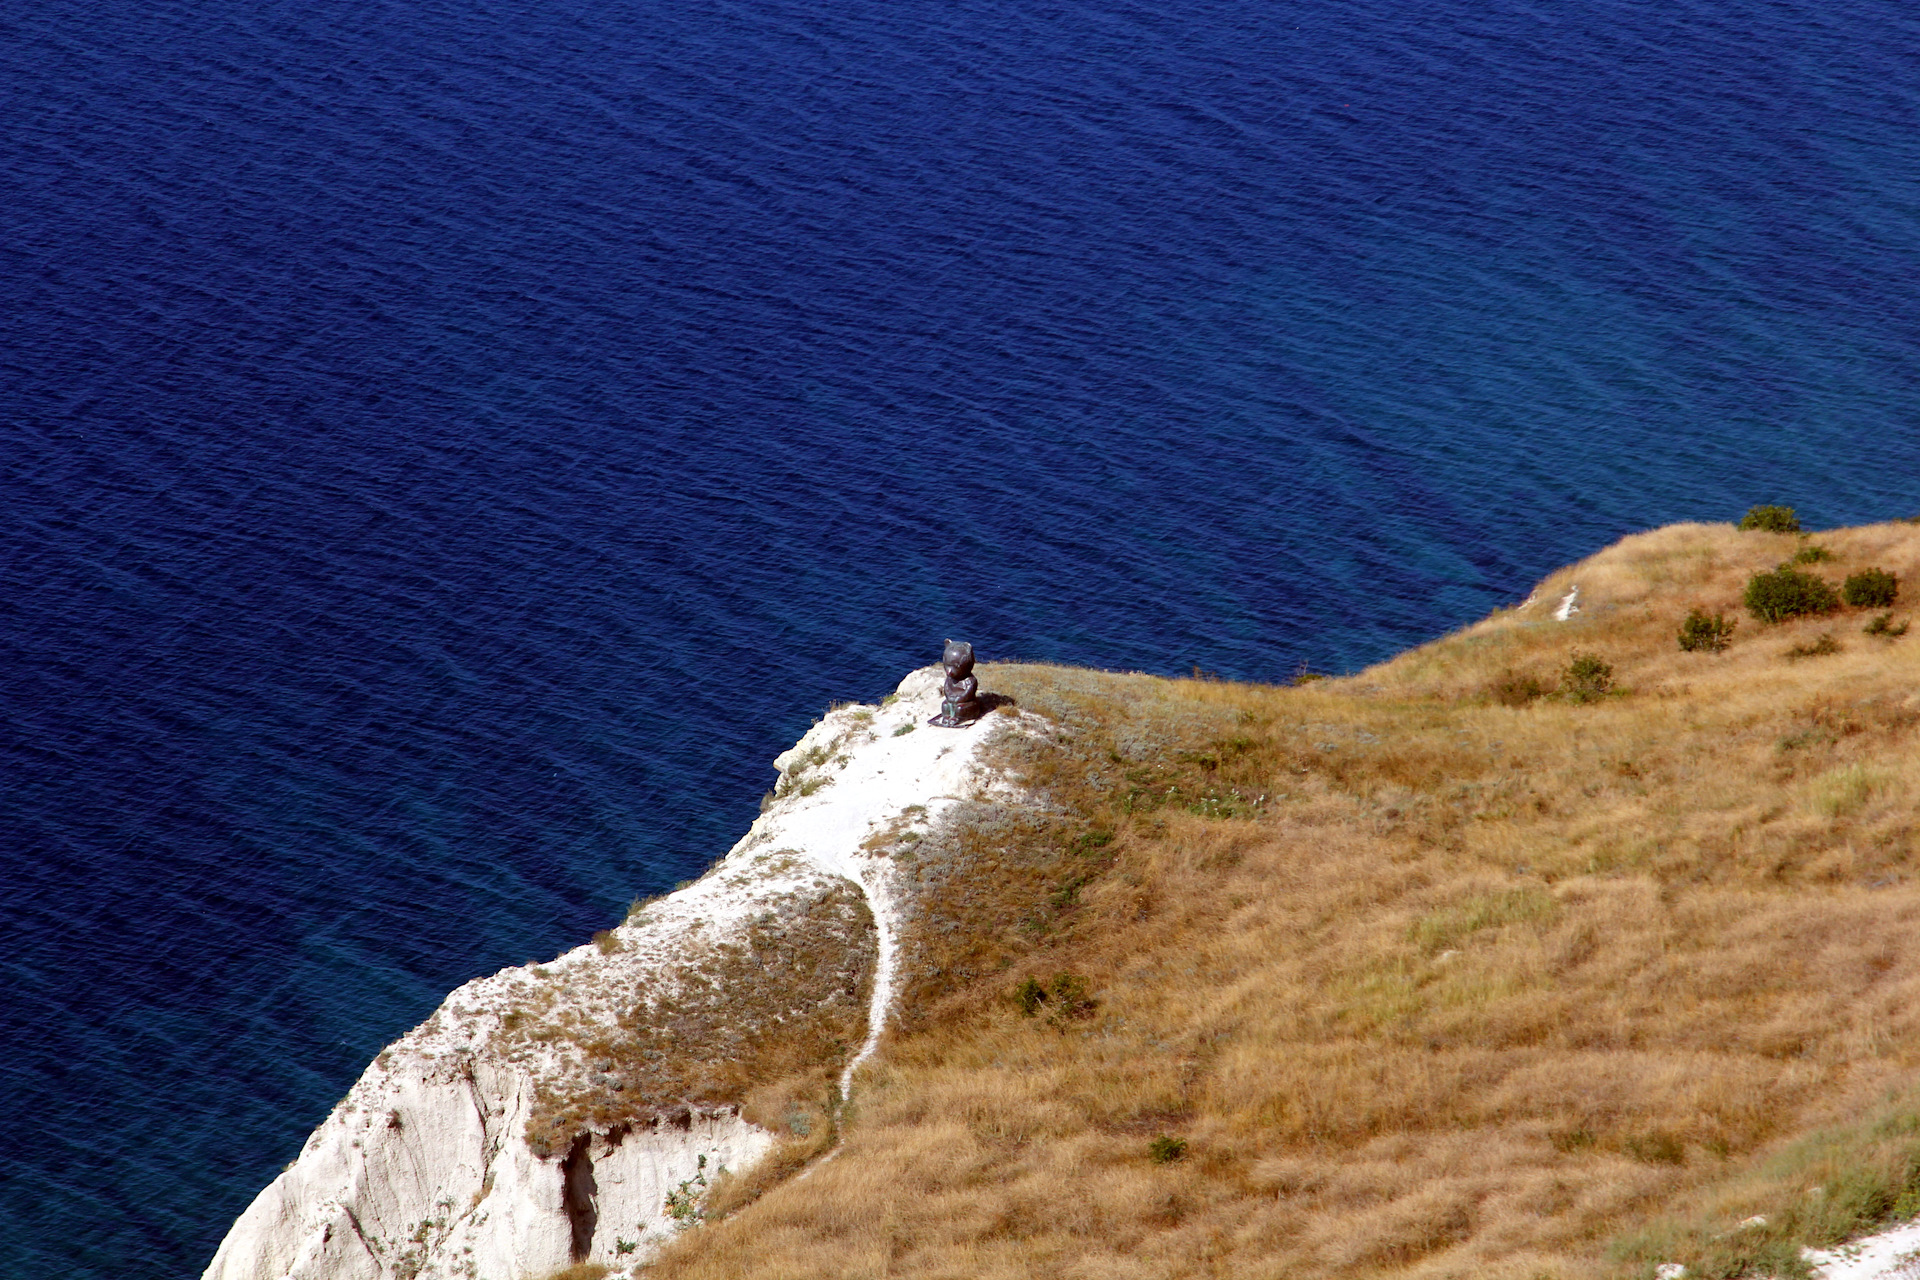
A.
pixel 1586 678
pixel 1788 593
pixel 1870 589
pixel 1882 625
pixel 1820 648
pixel 1030 995
pixel 1711 632
pixel 1512 689
pixel 1166 1150
pixel 1771 519
pixel 1812 553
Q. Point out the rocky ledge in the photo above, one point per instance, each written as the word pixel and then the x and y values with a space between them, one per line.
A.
pixel 573 1112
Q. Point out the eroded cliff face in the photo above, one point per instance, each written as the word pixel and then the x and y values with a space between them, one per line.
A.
pixel 573 1112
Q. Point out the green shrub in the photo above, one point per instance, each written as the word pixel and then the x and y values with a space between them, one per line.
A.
pixel 1870 589
pixel 1166 1150
pixel 1711 632
pixel 1586 677
pixel 1771 519
pixel 1812 553
pixel 1882 625
pixel 1820 648
pixel 1030 995
pixel 1788 593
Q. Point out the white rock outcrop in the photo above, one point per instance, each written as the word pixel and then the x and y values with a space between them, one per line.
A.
pixel 424 1170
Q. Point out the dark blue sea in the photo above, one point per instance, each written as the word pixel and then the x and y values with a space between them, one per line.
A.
pixel 448 448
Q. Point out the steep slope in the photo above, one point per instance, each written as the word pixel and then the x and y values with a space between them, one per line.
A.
pixel 1467 965
pixel 575 1112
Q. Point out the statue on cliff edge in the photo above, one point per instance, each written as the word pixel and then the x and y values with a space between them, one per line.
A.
pixel 960 694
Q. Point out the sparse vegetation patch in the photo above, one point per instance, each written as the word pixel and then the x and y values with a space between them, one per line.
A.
pixel 1513 689
pixel 1819 648
pixel 787 1001
pixel 1771 519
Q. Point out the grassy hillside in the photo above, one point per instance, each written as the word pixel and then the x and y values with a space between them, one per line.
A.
pixel 1439 969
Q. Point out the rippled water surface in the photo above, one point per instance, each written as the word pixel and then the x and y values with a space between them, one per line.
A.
pixel 450 447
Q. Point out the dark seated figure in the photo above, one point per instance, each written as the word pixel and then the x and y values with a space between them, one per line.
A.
pixel 960 694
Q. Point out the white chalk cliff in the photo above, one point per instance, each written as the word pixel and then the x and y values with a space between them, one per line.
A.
pixel 534 1121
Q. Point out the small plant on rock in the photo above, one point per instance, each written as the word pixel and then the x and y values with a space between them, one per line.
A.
pixel 1771 519
pixel 1788 593
pixel 683 1205
pixel 1870 589
pixel 1704 631
pixel 1587 678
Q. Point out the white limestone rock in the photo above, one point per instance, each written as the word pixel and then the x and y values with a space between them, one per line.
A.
pixel 424 1171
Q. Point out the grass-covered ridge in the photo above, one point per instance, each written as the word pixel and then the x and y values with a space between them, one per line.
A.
pixel 1410 973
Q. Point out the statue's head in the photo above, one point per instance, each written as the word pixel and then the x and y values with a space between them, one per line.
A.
pixel 957 658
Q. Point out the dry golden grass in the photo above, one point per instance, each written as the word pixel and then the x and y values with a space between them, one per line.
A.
pixel 787 1003
pixel 1428 985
